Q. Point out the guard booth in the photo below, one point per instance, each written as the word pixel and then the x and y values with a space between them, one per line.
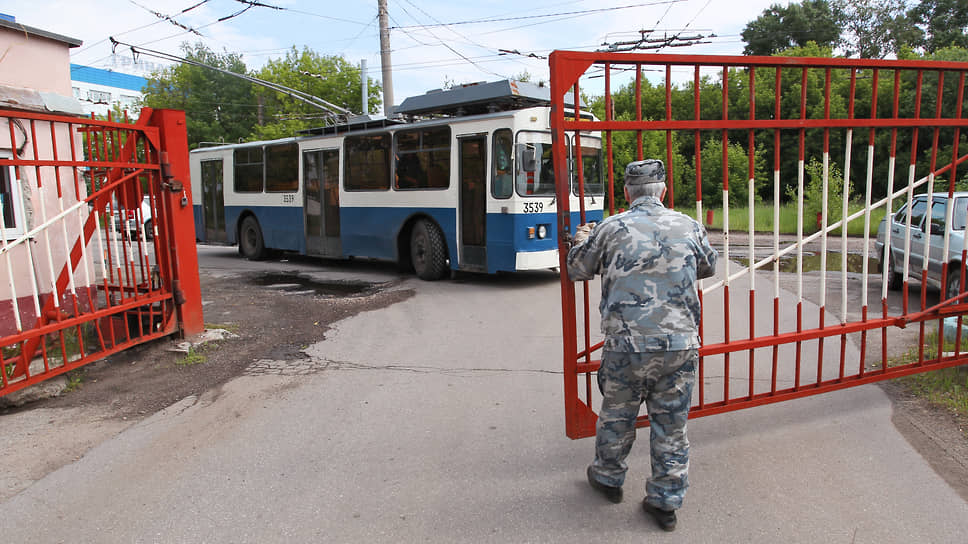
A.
pixel 829 131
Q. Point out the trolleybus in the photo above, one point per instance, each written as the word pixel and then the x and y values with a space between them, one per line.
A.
pixel 469 186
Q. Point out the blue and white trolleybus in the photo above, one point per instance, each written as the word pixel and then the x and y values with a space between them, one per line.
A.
pixel 466 183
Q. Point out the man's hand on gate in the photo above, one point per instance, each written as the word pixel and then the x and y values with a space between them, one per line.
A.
pixel 582 232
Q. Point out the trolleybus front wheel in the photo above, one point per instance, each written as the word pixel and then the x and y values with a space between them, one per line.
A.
pixel 427 251
pixel 251 245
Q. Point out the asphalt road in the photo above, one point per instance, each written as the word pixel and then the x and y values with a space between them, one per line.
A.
pixel 440 419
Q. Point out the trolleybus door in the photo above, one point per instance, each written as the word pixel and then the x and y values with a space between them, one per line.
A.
pixel 213 201
pixel 321 202
pixel 473 213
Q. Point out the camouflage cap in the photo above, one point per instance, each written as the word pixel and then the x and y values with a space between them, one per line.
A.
pixel 645 172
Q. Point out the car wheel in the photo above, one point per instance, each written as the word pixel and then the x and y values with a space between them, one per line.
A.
pixel 251 245
pixel 149 230
pixel 953 284
pixel 894 278
pixel 428 253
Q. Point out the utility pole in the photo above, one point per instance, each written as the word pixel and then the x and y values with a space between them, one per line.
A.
pixel 366 87
pixel 385 59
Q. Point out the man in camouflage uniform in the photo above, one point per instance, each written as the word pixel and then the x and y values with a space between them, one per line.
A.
pixel 649 258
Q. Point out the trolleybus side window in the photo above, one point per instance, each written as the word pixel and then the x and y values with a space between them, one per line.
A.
pixel 502 178
pixel 367 163
pixel 248 170
pixel 591 166
pixel 422 158
pixel 282 167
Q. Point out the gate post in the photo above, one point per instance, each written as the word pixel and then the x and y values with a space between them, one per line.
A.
pixel 180 224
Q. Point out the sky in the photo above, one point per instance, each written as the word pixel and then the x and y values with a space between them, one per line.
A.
pixel 433 43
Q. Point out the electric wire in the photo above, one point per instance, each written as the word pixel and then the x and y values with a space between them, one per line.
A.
pixel 458 34
pixel 524 17
pixel 142 27
pixel 169 18
pixel 454 51
pixel 292 93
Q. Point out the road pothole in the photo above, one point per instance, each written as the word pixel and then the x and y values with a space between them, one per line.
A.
pixel 293 283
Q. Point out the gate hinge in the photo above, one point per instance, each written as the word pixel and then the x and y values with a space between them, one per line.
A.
pixel 169 182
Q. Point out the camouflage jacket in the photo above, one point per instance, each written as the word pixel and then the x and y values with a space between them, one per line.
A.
pixel 650 258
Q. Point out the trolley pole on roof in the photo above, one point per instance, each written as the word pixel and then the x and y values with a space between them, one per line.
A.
pixel 385 59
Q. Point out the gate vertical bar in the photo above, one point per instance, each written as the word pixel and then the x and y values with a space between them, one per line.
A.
pixel 697 139
pixel 751 221
pixel 725 162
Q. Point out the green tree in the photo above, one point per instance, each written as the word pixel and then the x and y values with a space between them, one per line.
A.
pixel 331 78
pixel 781 27
pixel 625 143
pixel 218 107
pixel 944 22
pixel 813 192
pixel 875 28
pixel 738 174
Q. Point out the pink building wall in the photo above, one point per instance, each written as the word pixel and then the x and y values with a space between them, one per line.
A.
pixel 32 62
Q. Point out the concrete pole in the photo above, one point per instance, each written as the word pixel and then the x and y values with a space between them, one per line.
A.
pixel 385 59
pixel 366 88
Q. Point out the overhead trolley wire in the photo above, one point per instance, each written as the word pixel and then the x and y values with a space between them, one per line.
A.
pixel 543 16
pixel 142 27
pixel 452 50
pixel 292 93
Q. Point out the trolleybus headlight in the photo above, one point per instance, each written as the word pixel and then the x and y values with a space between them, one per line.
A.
pixel 542 232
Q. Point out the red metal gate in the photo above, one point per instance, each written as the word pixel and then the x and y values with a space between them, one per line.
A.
pixel 97 243
pixel 768 344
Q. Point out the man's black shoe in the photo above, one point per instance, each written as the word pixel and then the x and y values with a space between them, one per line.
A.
pixel 611 492
pixel 665 518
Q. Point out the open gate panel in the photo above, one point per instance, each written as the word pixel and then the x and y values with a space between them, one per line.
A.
pixel 878 132
pixel 97 246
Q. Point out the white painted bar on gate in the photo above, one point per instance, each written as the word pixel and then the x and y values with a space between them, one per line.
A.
pixel 845 200
pixel 13 287
pixel 867 225
pixel 824 218
pixel 907 225
pixel 799 244
pixel 889 224
pixel 41 189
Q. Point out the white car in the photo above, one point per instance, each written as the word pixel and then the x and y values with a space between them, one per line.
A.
pixel 129 221
pixel 926 228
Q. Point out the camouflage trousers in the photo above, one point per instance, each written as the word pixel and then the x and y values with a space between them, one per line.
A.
pixel 663 381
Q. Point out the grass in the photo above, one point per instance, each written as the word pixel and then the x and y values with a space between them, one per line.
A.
pixel 74 381
pixel 763 219
pixel 194 357
pixel 947 387
pixel 231 327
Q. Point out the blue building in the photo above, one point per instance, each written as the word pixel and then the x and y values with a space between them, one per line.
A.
pixel 98 90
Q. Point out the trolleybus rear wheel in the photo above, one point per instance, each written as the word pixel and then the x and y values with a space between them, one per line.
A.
pixel 251 245
pixel 427 251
